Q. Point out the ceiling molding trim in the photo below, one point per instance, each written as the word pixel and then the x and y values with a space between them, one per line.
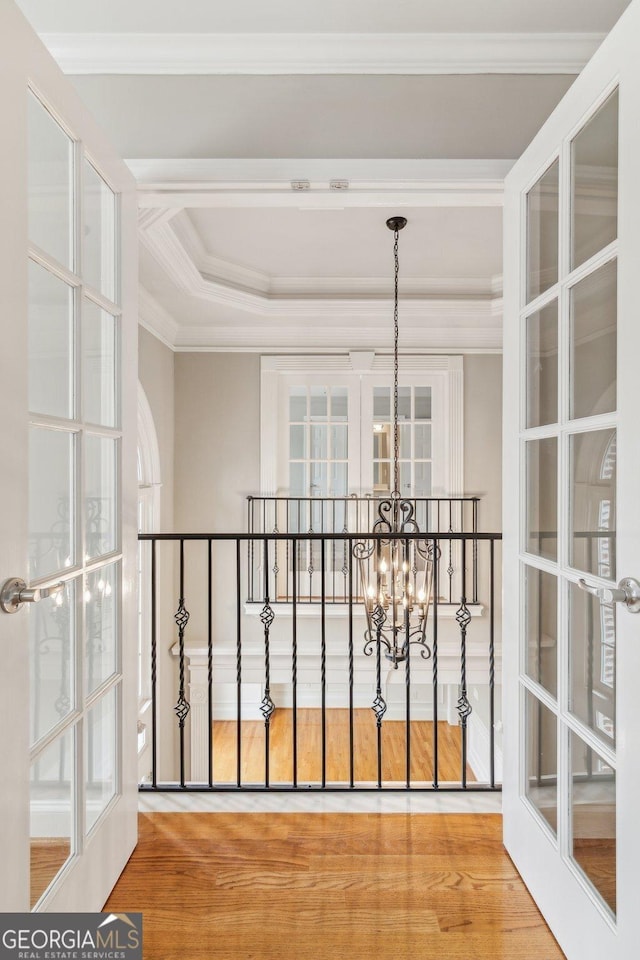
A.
pixel 213 268
pixel 321 53
pixel 261 173
pixel 176 184
pixel 261 339
pixel 376 362
pixel 156 319
pixel 321 197
pixel 441 287
pixel 171 253
pixel 256 281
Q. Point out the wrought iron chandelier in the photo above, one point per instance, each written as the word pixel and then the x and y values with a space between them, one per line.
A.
pixel 396 573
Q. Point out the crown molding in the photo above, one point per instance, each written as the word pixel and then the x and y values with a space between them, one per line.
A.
pixel 156 319
pixel 214 268
pixel 232 274
pixel 444 288
pixel 322 339
pixel 271 172
pixel 169 252
pixel 322 53
pixel 175 184
pixel 350 363
pixel 175 249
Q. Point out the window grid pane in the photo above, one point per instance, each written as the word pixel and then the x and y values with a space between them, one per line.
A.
pixel 99 238
pixel 414 435
pixel 50 185
pixel 593 818
pixel 542 233
pixel 51 344
pixel 592 487
pixel 594 184
pixel 318 441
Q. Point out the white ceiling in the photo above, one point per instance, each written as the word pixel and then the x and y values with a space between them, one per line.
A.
pixel 317 116
pixel 355 243
pixel 231 257
pixel 331 16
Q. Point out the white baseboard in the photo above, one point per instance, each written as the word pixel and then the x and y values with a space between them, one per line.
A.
pixel 478 752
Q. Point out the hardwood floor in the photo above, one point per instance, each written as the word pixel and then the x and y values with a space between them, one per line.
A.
pixel 309 738
pixel 329 886
pixel 48 855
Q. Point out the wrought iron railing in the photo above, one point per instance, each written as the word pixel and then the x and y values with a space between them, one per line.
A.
pixel 280 696
pixel 348 515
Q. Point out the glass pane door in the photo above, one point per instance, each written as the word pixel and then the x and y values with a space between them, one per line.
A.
pixel 74 495
pixel 568 439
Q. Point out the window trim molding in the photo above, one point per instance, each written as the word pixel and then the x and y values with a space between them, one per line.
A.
pixel 449 367
pixel 149 488
pixel 149 451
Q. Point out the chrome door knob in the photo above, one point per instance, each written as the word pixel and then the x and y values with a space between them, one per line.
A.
pixel 14 593
pixel 627 592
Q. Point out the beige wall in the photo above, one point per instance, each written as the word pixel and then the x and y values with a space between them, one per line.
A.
pixel 483 436
pixel 217 445
pixel 156 374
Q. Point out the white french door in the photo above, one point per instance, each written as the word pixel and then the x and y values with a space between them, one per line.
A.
pixel 572 522
pixel 68 275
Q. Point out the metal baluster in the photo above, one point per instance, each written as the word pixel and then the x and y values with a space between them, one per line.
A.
pixel 475 550
pixel 450 547
pixel 267 706
pixel 310 569
pixel 351 777
pixel 210 656
pixel 379 710
pixel 276 568
pixel 182 707
pixel 333 551
pixel 294 669
pixel 323 666
pixel 464 707
pixel 407 663
pixel 287 546
pixel 379 706
pixel 345 563
pixel 250 523
pixel 154 670
pixel 297 547
pixel 239 669
pixel 492 668
pixel 434 660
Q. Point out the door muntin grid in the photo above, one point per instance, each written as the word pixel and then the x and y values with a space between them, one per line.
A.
pixel 74 325
pixel 569 349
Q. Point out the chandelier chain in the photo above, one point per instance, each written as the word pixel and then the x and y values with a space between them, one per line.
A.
pixel 396 462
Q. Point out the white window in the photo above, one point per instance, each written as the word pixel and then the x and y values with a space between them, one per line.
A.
pixel 327 426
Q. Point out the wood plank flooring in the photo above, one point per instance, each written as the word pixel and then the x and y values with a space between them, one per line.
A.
pixel 48 855
pixel 309 738
pixel 329 886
